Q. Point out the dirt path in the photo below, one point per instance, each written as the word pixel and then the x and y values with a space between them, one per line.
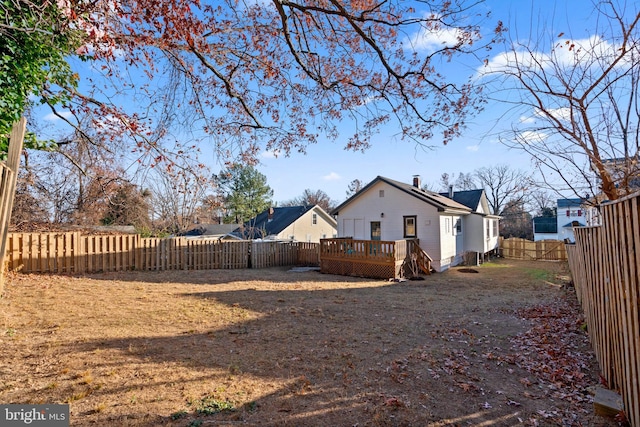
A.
pixel 271 347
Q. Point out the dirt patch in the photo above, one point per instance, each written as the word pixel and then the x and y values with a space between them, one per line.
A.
pixel 275 348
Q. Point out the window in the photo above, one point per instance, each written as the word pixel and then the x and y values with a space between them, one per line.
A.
pixel 487 228
pixel 314 219
pixel 447 225
pixel 410 226
pixel 376 231
pixel 458 227
pixel 495 228
pixel 381 193
pixel 574 212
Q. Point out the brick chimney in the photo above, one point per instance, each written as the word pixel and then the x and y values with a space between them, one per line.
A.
pixel 270 215
pixel 416 181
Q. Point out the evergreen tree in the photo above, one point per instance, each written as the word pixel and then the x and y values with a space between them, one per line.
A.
pixel 244 191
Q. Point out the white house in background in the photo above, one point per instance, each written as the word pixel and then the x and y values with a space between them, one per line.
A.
pixel 390 210
pixel 482 226
pixel 308 223
pixel 571 213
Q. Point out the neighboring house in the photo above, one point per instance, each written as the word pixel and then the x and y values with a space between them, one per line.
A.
pixel 624 169
pixel 570 214
pixel 308 223
pixel 390 210
pixel 210 231
pixel 545 228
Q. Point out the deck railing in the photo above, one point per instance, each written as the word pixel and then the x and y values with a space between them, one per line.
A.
pixel 372 250
pixel 367 258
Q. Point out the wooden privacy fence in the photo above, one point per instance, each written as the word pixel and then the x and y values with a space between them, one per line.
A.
pixel 605 265
pixel 76 253
pixel 516 248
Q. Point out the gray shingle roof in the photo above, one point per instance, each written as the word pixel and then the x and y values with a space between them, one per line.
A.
pixel 435 199
pixel 469 198
pixel 260 226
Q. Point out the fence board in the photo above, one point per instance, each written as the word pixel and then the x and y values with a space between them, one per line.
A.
pixel 605 265
pixel 516 248
pixel 75 253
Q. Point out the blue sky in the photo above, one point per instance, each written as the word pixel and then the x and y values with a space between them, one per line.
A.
pixel 327 166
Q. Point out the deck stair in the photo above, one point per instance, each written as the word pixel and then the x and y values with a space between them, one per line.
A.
pixel 420 260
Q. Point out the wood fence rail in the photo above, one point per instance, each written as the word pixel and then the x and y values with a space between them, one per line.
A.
pixel 605 265
pixel 77 253
pixel 516 248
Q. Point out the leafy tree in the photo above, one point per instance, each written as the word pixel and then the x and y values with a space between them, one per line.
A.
pixel 578 100
pixel 275 75
pixel 244 191
pixel 548 212
pixel 310 197
pixel 35 39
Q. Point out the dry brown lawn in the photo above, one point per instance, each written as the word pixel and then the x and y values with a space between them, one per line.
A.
pixel 272 347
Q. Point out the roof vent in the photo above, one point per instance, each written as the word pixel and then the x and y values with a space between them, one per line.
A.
pixel 416 181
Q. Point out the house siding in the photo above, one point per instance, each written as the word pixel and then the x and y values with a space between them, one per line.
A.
pixel 451 242
pixel 569 210
pixel 395 205
pixel 303 229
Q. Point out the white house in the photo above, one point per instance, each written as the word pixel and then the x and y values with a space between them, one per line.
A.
pixel 390 210
pixel 482 226
pixel 571 213
pixel 308 223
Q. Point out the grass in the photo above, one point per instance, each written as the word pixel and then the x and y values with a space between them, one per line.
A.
pixel 494 264
pixel 539 274
pixel 210 405
pixel 272 347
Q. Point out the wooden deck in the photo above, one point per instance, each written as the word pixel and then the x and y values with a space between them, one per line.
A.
pixel 373 258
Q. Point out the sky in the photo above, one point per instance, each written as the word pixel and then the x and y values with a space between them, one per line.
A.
pixel 327 166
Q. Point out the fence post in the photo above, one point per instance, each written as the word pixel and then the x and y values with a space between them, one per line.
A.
pixel 8 186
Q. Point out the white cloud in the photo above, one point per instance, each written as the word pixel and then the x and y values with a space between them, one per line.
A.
pixel 473 147
pixel 525 119
pixel 270 154
pixel 562 113
pixel 586 53
pixel 432 39
pixel 532 137
pixel 332 177
pixel 52 117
